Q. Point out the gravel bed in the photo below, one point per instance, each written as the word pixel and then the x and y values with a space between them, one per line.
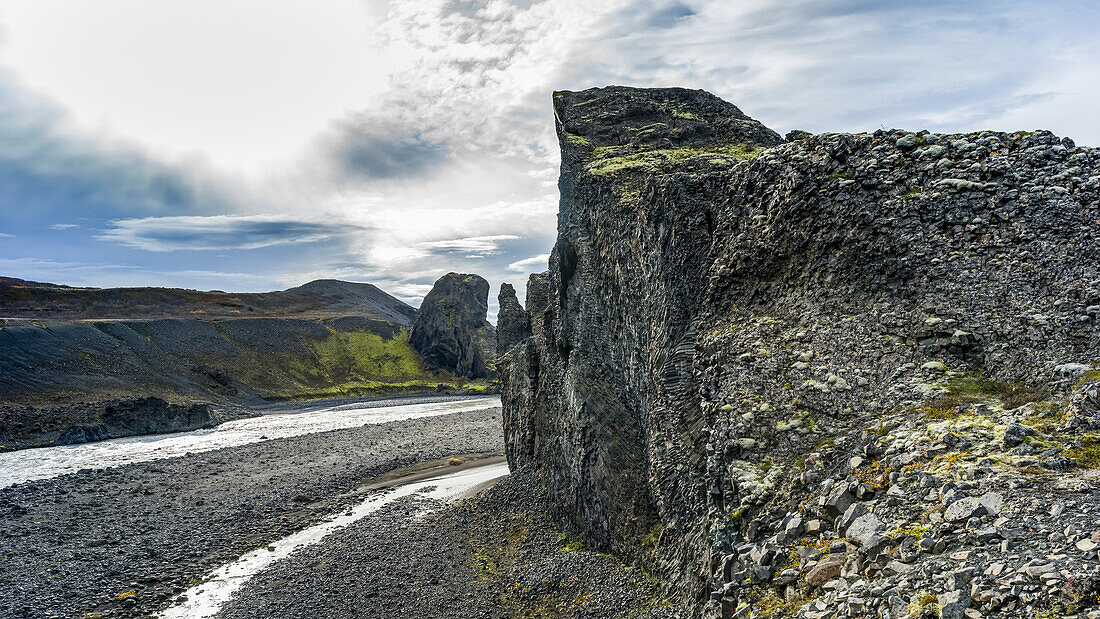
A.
pixel 493 555
pixel 71 545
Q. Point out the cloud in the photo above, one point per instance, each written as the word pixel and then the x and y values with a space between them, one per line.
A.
pixel 50 168
pixel 808 64
pixel 6 235
pixel 474 246
pixel 368 147
pixel 534 264
pixel 96 274
pixel 218 232
pixel 449 162
pixel 63 226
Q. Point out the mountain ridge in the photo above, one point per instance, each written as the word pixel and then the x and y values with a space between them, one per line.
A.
pixel 317 298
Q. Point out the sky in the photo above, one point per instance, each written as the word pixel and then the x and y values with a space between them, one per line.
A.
pixel 259 144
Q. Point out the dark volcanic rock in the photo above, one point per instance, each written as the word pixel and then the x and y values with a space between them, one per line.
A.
pixel 26 426
pixel 450 327
pixel 513 323
pixel 725 316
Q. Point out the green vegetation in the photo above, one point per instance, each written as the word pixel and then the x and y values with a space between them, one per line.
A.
pixel 345 364
pixel 924 605
pixel 1087 451
pixel 569 545
pixel 973 388
pixel 578 140
pixel 917 531
pixel 653 537
pixel 606 160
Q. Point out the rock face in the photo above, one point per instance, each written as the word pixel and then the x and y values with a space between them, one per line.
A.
pixel 117 418
pixel 734 331
pixel 513 323
pixel 450 331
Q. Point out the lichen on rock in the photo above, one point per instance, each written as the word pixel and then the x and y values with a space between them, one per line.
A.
pixel 737 350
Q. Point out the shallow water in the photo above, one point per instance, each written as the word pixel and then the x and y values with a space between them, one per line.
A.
pixel 205 599
pixel 46 462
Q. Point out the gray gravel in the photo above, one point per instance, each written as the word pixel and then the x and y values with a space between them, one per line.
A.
pixel 69 545
pixel 494 555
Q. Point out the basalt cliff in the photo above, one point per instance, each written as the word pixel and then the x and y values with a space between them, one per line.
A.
pixel 829 375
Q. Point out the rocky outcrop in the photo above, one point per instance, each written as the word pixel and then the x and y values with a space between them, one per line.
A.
pixel 450 331
pixel 97 421
pixel 513 323
pixel 740 339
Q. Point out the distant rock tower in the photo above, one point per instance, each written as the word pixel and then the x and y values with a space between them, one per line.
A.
pixel 450 331
pixel 513 323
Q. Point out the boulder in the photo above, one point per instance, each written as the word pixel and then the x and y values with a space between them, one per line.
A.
pixel 963 509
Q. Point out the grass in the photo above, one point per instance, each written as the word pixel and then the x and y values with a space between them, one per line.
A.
pixel 974 388
pixel 344 364
pixel 569 545
pixel 650 540
pixel 1087 451
pixel 607 160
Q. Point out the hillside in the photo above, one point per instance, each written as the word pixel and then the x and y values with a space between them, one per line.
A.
pixel 843 375
pixel 317 299
pixel 70 380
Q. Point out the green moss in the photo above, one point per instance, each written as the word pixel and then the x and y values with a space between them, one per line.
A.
pixel 974 388
pixel 1087 451
pixel 1090 376
pixel 916 530
pixel 924 604
pixel 569 545
pixel 654 536
pixel 578 140
pixel 607 160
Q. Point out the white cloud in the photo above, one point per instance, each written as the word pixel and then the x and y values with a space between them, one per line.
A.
pixel 392 142
pixel 108 275
pixel 63 226
pixel 480 245
pixel 534 264
pixel 218 232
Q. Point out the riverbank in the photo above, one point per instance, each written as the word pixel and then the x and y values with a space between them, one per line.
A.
pixel 79 543
pixel 496 554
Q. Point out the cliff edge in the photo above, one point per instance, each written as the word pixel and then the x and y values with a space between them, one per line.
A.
pixel 851 373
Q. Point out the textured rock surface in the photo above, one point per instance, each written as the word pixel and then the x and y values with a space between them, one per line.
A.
pixel 736 332
pixel 513 323
pixel 450 331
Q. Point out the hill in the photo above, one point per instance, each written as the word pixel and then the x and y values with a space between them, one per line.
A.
pixel 317 299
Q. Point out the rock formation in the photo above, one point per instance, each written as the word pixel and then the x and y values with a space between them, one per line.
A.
pixel 513 323
pixel 450 331
pixel 788 375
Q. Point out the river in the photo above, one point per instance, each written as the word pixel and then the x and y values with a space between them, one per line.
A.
pixel 46 462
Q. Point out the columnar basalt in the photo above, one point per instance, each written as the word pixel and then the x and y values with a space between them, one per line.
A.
pixel 735 331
